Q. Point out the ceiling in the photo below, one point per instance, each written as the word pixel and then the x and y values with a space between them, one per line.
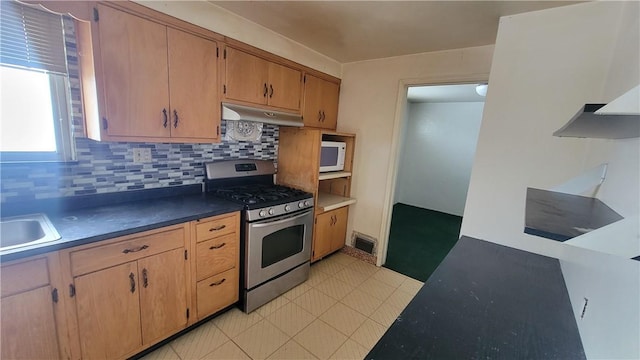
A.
pixel 349 31
pixel 444 93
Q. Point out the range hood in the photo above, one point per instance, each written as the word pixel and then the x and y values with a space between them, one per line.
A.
pixel 588 124
pixel 246 113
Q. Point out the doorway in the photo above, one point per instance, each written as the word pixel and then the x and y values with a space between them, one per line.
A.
pixel 437 149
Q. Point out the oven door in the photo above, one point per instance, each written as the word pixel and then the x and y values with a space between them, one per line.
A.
pixel 276 246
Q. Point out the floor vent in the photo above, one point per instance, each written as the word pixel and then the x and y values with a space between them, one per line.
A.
pixel 364 243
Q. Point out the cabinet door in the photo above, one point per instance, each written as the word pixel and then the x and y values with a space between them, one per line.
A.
pixel 134 64
pixel 163 294
pixel 108 309
pixel 312 112
pixel 339 228
pixel 284 87
pixel 323 233
pixel 28 326
pixel 246 77
pixel 193 86
pixel 330 95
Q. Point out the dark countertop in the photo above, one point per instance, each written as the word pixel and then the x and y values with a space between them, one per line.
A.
pixel 487 301
pixel 559 216
pixel 78 226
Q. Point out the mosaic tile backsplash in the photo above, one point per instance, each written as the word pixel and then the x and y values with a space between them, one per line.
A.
pixel 104 167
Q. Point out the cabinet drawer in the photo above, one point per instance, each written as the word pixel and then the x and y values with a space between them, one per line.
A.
pixel 210 229
pixel 217 292
pixel 101 257
pixel 24 276
pixel 216 255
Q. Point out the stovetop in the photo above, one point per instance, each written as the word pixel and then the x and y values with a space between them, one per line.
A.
pixel 255 196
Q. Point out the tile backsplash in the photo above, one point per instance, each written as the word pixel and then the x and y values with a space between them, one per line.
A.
pixel 104 167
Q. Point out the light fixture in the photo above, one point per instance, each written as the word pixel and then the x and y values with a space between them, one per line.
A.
pixel 481 89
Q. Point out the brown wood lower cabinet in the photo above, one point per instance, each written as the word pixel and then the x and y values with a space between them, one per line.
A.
pixel 330 232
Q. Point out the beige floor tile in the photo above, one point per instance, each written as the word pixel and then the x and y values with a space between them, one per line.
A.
pixel 343 318
pixel 390 277
pixel 291 318
pixel 352 277
pixel 272 306
pixel 364 267
pixel 328 266
pixel 399 299
pixel 228 351
pixel 297 291
pixel 292 351
pixel 334 288
pixel 234 321
pixel 316 277
pixel 411 286
pixel 343 258
pixel 315 302
pixel 261 340
pixel 199 342
pixel 368 333
pixel 377 289
pixel 350 350
pixel 386 314
pixel 163 353
pixel 320 339
pixel 361 302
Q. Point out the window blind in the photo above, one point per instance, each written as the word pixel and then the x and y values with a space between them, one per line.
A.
pixel 31 38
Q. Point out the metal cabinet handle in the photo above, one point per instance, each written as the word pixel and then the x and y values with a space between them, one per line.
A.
pixel 165 117
pixel 132 281
pixel 271 93
pixel 265 90
pixel 218 282
pixel 319 115
pixel 175 118
pixel 145 278
pixel 217 246
pixel 323 117
pixel 126 251
pixel 220 227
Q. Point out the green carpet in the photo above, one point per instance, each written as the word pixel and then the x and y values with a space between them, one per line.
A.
pixel 420 239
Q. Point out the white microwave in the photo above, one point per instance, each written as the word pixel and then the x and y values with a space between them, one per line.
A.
pixel 332 156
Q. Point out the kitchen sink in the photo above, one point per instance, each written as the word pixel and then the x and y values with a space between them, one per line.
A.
pixel 26 230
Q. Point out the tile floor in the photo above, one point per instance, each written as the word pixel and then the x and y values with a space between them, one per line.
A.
pixel 339 313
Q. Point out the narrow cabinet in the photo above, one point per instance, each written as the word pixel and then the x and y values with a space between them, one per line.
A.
pixel 252 79
pixel 128 293
pixel 320 106
pixel 150 82
pixel 33 325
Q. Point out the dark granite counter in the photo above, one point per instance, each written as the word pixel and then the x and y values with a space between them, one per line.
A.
pixel 487 301
pixel 78 225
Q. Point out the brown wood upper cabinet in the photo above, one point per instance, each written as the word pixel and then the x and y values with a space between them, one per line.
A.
pixel 320 108
pixel 252 79
pixel 153 82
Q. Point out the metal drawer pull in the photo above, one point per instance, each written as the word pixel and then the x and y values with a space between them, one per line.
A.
pixel 218 228
pixel 132 280
pixel 126 251
pixel 217 246
pixel 166 118
pixel 145 278
pixel 218 282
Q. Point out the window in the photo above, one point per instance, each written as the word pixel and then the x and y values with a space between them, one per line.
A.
pixel 35 120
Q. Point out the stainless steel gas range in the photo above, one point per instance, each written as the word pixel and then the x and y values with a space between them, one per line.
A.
pixel 276 231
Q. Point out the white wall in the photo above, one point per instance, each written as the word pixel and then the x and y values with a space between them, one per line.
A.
pixel 546 65
pixel 217 19
pixel 372 102
pixel 437 155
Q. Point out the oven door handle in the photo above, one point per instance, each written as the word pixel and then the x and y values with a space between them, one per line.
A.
pixel 282 221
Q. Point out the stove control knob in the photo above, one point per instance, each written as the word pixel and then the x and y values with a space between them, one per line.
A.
pixel 262 213
pixel 300 204
pixel 271 211
pixel 287 208
pixel 306 203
